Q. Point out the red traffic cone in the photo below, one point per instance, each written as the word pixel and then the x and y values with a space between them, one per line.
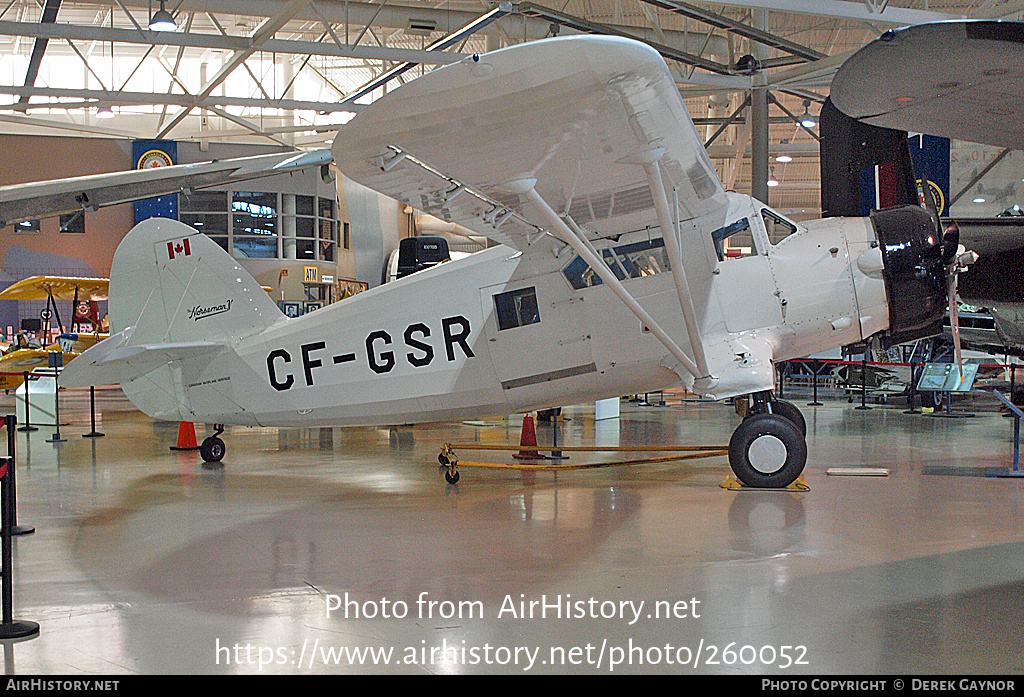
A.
pixel 528 438
pixel 186 436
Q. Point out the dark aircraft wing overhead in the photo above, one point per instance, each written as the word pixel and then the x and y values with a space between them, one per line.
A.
pixel 962 80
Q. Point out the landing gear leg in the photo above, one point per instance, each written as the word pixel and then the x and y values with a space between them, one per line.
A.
pixel 766 403
pixel 450 465
pixel 768 449
pixel 212 448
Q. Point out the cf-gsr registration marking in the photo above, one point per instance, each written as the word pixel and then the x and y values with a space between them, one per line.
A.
pixel 380 357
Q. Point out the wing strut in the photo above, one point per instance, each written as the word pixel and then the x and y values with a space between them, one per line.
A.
pixel 526 188
pixel 670 233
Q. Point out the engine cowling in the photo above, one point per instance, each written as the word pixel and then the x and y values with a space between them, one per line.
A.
pixel 914 273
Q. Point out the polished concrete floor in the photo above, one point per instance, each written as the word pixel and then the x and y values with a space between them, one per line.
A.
pixel 345 551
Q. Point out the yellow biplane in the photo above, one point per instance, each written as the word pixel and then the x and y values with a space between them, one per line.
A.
pixel 26 354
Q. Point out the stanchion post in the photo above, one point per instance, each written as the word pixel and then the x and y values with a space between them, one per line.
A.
pixel 815 367
pixel 864 380
pixel 55 438
pixel 28 424
pixel 9 627
pixel 92 415
pixel 12 472
pixel 913 389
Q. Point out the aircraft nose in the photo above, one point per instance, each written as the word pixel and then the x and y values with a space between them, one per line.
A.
pixel 914 274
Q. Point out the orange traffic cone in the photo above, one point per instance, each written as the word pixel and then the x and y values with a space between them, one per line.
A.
pixel 186 436
pixel 528 438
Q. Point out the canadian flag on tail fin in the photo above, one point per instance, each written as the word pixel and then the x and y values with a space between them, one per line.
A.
pixel 178 248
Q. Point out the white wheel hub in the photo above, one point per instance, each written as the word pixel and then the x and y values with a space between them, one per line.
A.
pixel 767 454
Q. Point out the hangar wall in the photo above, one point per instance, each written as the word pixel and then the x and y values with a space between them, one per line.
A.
pixel 370 224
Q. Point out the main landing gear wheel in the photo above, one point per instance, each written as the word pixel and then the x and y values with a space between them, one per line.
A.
pixel 767 451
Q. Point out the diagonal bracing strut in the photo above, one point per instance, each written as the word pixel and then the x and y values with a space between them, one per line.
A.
pixel 525 187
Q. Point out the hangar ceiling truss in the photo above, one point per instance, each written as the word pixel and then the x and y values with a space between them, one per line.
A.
pixel 290 73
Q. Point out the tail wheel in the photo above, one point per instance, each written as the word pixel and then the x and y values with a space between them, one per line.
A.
pixel 767 451
pixel 212 449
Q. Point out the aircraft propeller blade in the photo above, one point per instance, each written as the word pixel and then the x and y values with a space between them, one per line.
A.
pixel 954 318
pixel 950 244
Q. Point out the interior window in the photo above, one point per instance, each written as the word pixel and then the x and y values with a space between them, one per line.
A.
pixel 778 228
pixel 734 240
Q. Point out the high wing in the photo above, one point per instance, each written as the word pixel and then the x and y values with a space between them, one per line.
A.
pixel 577 114
pixel 961 80
pixel 59 196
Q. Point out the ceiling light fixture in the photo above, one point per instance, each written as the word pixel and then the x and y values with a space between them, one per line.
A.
pixel 806 119
pixel 783 158
pixel 104 112
pixel 772 181
pixel 162 20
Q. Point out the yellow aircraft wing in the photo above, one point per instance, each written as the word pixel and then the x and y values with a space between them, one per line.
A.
pixel 59 287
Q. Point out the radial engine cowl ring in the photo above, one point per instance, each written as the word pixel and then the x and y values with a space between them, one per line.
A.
pixel 915 277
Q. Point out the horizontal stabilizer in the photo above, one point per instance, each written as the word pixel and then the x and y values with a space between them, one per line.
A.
pixel 114 361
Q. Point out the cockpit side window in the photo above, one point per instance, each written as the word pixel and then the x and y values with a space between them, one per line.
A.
pixel 734 240
pixel 777 227
pixel 634 260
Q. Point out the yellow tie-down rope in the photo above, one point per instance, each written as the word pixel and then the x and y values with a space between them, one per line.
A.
pixel 449 459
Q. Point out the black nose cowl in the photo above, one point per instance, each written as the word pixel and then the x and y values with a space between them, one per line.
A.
pixel 915 276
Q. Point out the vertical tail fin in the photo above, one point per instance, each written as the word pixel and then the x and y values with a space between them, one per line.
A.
pixel 173 284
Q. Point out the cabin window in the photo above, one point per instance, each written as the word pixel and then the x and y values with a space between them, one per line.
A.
pixel 777 227
pixel 734 240
pixel 643 258
pixel 517 308
pixel 634 260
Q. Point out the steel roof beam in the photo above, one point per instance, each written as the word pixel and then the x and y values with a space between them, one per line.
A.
pixel 585 25
pixel 39 47
pixel 222 43
pixel 263 33
pixel 438 46
pixel 90 97
pixel 745 30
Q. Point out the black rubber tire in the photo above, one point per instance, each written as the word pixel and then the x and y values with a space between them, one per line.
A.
pixel 451 477
pixel 212 449
pixel 777 447
pixel 787 410
pixel 791 412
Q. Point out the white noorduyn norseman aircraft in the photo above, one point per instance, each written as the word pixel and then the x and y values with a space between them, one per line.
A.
pixel 614 273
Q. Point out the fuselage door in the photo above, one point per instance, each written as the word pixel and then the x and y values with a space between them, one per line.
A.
pixel 744 283
pixel 536 331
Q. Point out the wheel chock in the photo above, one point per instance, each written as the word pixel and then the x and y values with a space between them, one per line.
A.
pixel 733 484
